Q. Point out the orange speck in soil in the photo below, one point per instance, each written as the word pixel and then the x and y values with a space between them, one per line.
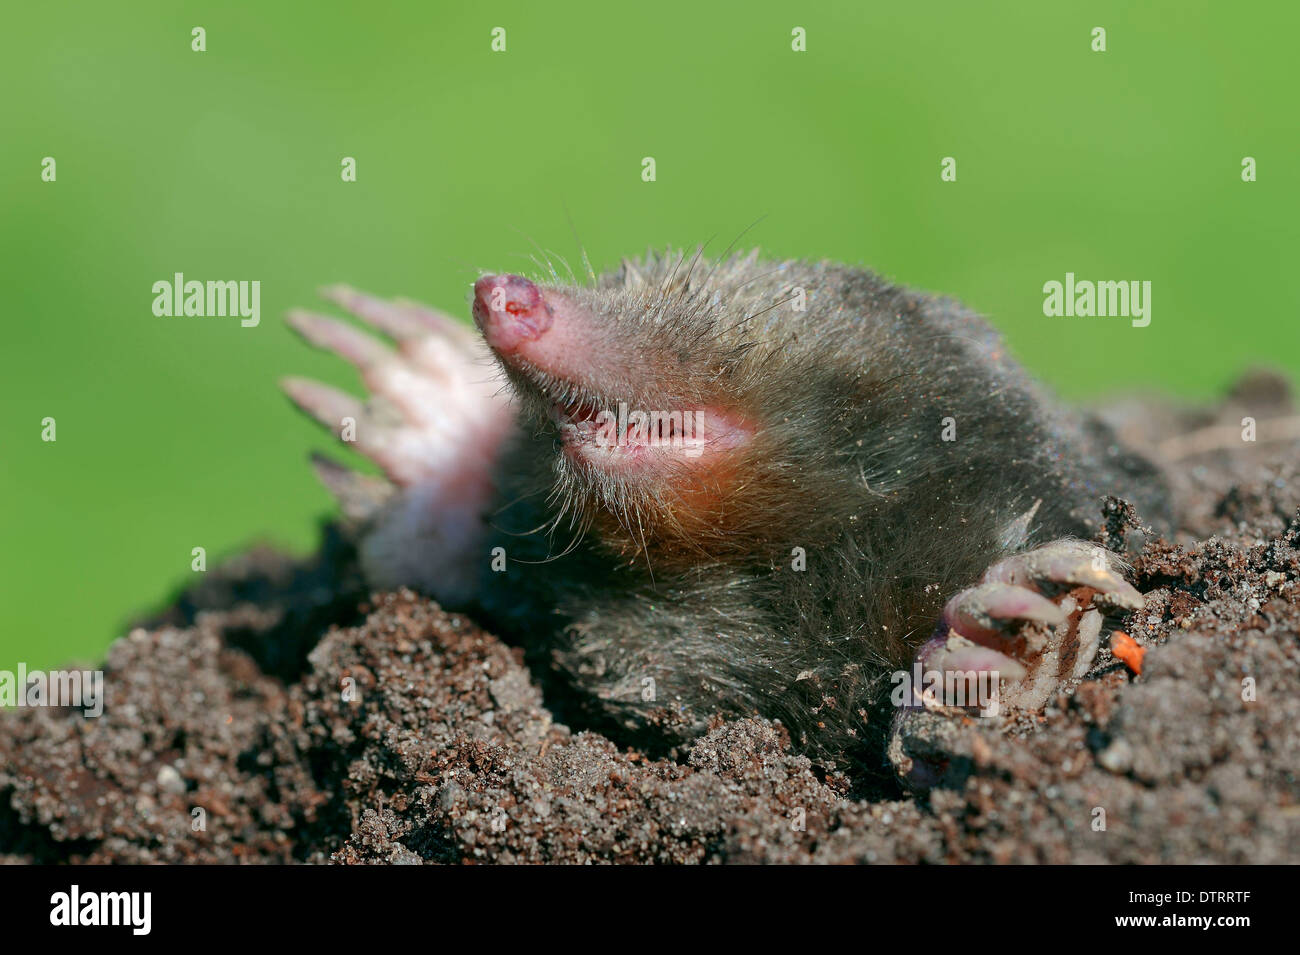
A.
pixel 1127 651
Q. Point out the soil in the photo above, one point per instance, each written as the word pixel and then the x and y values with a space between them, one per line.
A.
pixel 279 714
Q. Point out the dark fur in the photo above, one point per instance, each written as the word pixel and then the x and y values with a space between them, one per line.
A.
pixel 610 588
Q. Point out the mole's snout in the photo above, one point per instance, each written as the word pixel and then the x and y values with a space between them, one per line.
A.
pixel 510 310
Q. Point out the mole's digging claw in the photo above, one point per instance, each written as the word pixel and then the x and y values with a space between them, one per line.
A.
pixel 360 495
pixel 1068 563
pixel 327 405
pixel 1028 627
pixel 435 421
pixel 991 609
pixel 1049 588
pixel 403 320
pixel 953 653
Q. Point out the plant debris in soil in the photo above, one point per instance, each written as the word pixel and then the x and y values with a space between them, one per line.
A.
pixel 279 714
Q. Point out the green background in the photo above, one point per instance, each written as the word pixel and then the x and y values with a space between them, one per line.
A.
pixel 225 165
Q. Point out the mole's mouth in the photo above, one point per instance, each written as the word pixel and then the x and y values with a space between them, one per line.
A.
pixel 593 433
pixel 565 356
pixel 628 440
pixel 577 416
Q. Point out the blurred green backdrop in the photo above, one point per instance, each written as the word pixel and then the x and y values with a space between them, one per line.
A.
pixel 226 165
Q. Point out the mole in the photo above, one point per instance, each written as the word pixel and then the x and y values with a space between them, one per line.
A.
pixel 696 487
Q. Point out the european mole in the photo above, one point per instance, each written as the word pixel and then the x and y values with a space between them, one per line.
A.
pixel 736 487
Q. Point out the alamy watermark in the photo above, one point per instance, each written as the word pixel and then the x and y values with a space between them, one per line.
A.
pixel 81 689
pixel 629 428
pixel 940 688
pixel 75 907
pixel 211 299
pixel 1084 298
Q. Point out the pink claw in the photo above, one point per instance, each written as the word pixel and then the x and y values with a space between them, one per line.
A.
pixel 953 653
pixel 982 612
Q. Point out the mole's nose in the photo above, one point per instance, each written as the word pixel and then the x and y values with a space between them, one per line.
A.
pixel 509 309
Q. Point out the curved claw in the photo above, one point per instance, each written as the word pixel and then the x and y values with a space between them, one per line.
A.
pixel 418 396
pixel 987 609
pixel 406 322
pixel 385 316
pixel 1072 563
pixel 978 638
pixel 327 405
pixel 405 454
pixel 953 664
pixel 360 495
pixel 345 341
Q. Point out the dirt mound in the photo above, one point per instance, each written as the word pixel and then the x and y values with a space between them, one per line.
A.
pixel 276 715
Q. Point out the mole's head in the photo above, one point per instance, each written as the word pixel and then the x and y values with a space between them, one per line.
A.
pixel 690 406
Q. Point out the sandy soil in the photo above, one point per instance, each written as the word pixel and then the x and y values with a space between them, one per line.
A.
pixel 445 751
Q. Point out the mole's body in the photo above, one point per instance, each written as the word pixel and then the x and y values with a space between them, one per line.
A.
pixel 800 465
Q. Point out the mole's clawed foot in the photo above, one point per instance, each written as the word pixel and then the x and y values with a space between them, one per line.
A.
pixel 1032 624
pixel 434 423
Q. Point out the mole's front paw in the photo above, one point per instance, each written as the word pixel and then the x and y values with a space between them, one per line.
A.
pixel 1033 621
pixel 435 422
pixel 1031 624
